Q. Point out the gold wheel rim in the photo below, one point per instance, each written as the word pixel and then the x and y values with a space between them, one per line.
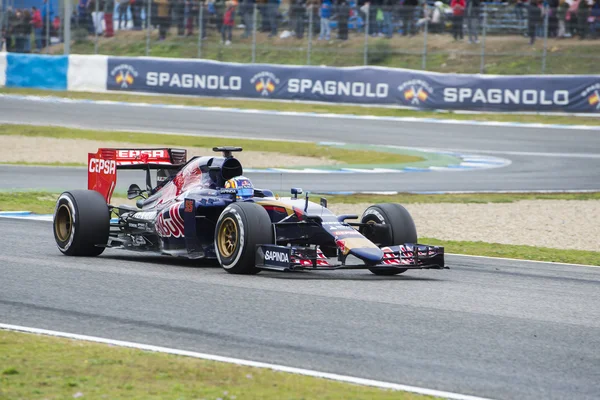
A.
pixel 228 237
pixel 63 223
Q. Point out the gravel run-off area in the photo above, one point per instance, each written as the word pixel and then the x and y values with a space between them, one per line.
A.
pixel 561 224
pixel 51 150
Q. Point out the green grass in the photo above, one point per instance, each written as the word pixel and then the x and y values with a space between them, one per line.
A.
pixel 301 107
pixel 407 198
pixel 516 251
pixel 40 367
pixel 43 203
pixel 293 148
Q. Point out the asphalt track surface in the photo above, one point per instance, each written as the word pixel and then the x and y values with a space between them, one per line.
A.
pixel 542 159
pixel 491 328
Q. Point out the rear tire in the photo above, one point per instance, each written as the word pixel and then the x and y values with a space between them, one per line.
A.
pixel 81 223
pixel 240 228
pixel 402 229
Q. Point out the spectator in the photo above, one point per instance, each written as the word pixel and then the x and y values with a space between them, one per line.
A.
pixel 553 18
pixel 595 19
pixel 122 13
pixel 228 21
pixel 37 24
pixel 313 6
pixel 162 15
pixel 388 26
pixel 109 8
pixel 534 17
pixel 473 20
pixel 325 14
pixel 436 25
pixel 97 10
pixel 572 25
pixel 136 14
pixel 458 12
pixel 297 13
pixel 407 13
pixel 179 15
pixel 273 7
pixel 343 15
pixel 583 12
pixel 27 29
pixel 561 14
pixel 247 11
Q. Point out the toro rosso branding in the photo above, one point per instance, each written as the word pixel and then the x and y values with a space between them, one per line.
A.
pixel 170 223
pixel 100 166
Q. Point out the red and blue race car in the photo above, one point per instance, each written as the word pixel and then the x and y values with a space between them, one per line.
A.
pixel 205 208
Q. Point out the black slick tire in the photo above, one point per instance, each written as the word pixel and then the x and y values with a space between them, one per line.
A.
pixel 240 228
pixel 402 229
pixel 81 223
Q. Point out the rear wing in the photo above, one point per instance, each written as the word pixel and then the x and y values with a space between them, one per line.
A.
pixel 103 165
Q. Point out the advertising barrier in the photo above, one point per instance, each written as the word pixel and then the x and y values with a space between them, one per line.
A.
pixel 361 85
pixel 36 71
pixel 358 85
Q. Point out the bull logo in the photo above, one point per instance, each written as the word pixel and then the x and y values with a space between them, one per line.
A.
pixel 264 83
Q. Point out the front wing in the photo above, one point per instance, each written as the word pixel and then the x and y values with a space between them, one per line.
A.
pixel 407 256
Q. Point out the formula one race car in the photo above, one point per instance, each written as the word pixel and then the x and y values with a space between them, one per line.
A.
pixel 205 208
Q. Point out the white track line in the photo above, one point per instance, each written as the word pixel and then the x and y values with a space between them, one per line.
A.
pixel 248 363
pixel 520 260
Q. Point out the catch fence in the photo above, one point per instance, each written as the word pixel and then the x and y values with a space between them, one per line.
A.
pixel 494 38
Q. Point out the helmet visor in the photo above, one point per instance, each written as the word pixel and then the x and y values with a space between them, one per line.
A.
pixel 245 192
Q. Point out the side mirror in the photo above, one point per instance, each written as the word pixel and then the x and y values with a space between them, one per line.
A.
pixel 296 192
pixel 134 191
pixel 323 202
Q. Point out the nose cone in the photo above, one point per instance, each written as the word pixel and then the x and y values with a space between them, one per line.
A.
pixel 370 255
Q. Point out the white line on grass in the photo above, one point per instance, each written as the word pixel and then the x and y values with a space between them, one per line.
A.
pixel 248 363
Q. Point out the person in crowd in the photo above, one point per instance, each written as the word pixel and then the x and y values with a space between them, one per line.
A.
pixel 325 14
pixel 37 25
pixel 572 25
pixel 343 15
pixel 407 13
pixel 27 29
pixel 553 18
pixel 109 8
pixel 313 6
pixel 228 22
pixel 273 7
pixel 388 11
pixel 473 12
pixel 561 15
pixel 122 7
pixel 534 18
pixel 458 12
pixel 162 15
pixel 297 13
pixel 595 19
pixel 583 12
pixel 179 16
pixel 96 8
pixel 247 11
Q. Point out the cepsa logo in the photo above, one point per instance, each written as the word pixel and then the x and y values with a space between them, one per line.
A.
pixel 415 91
pixel 265 82
pixel 106 167
pixel 124 75
pixel 136 154
pixel 592 93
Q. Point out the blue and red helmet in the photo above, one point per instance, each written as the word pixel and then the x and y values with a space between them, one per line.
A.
pixel 243 186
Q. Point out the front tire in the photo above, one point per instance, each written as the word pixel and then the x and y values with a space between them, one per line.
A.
pixel 81 223
pixel 240 228
pixel 402 229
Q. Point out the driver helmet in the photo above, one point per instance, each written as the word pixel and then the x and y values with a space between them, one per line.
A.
pixel 243 186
